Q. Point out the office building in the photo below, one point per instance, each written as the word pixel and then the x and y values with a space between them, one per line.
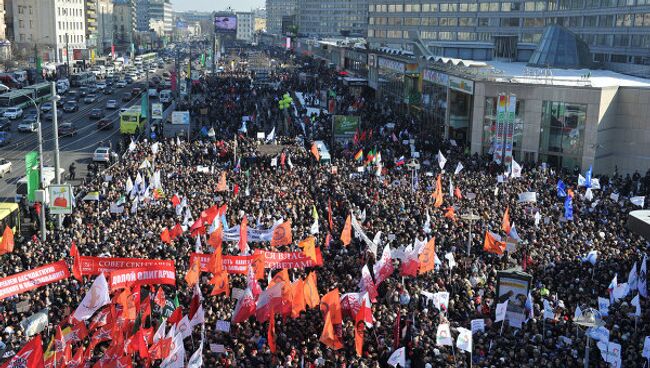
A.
pixel 142 15
pixel 52 29
pixel 123 22
pixel 161 10
pixel 616 33
pixel 333 17
pixel 245 26
pixel 104 32
pixel 276 10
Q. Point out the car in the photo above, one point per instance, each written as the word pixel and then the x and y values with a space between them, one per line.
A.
pixel 121 83
pixel 108 91
pixel 101 86
pixel 13 113
pixel 59 102
pixel 83 91
pixel 111 104
pixel 71 106
pixel 104 124
pixel 90 98
pixel 102 154
pixel 5 138
pixel 27 127
pixel 96 114
pixel 126 97
pixel 152 71
pixel 50 115
pixel 5 124
pixel 46 107
pixel 67 130
pixel 5 167
pixel 30 117
pixel 129 79
pixel 136 91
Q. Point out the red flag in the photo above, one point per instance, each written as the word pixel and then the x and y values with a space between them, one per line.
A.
pixel 328 336
pixel 271 332
pixel 396 330
pixel 30 356
pixel 76 269
pixel 236 190
pixel 176 316
pixel 177 231
pixel 346 234
pixel 7 244
pixel 427 257
pixel 451 213
pixel 505 222
pixel 245 307
pixel 209 214
pixel 243 235
pixel 329 214
pixel 493 243
pixel 215 241
pixel 197 228
pixel 457 193
pixel 165 237
pixel 160 298
pixel 139 344
pixel 160 349
pixel 314 151
pixel 221 283
pixel 77 360
pixel 359 331
pixel 74 252
pixel 175 200
pixel 192 276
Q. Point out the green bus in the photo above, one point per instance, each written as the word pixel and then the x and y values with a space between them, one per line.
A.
pixel 21 97
pixel 132 121
pixel 40 91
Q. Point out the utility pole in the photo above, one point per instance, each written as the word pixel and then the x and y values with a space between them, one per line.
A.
pixel 67 53
pixel 42 173
pixel 178 77
pixel 214 53
pixel 189 75
pixel 57 162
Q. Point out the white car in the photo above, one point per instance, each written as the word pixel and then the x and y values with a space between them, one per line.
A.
pixel 27 126
pixel 13 113
pixel 121 84
pixel 101 86
pixel 111 104
pixel 5 167
pixel 102 154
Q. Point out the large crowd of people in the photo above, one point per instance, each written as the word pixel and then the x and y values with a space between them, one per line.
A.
pixel 391 199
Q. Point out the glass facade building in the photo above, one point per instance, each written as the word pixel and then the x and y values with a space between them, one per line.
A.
pixel 333 17
pixel 616 31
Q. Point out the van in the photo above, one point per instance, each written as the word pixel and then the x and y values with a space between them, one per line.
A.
pixel 48 178
pixel 324 153
pixel 165 96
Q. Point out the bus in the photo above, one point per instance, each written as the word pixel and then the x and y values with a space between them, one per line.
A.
pixel 82 79
pixel 9 216
pixel 132 121
pixel 16 98
pixel 147 58
pixel 40 92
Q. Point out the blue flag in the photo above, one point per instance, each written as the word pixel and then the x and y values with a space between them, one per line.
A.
pixel 588 178
pixel 561 189
pixel 568 209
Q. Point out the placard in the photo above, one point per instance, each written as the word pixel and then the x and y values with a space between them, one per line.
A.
pixel 223 326
pixel 60 199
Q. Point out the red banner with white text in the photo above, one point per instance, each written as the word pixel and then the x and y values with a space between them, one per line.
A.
pixel 273 260
pixel 152 275
pixel 232 264
pixel 97 265
pixel 32 279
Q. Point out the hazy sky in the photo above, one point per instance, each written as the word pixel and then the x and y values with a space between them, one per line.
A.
pixel 211 5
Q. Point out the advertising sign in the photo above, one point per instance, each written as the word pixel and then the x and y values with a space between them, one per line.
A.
pixel 181 118
pixel 156 110
pixel 225 24
pixel 345 126
pixel 60 199
pixel 462 85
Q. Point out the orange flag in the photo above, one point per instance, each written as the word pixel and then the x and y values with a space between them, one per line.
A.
pixel 7 244
pixel 287 298
pixel 314 151
pixel 193 273
pixel 271 332
pixel 258 266
pixel 215 263
pixel 505 222
pixel 222 186
pixel 221 283
pixel 493 244
pixel 165 237
pixel 309 247
pixel 438 193
pixel 243 235
pixel 298 303
pixel 359 331
pixel 216 238
pixel 282 234
pixel 312 298
pixel 428 257
pixel 346 234
pixel 328 337
pixel 457 193
pixel 330 303
pixel 127 300
pixel 451 213
pixel 282 276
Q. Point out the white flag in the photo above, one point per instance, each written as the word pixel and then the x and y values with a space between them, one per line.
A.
pixel 589 195
pixel 96 297
pixel 314 227
pixel 581 180
pixel 427 224
pixel 452 262
pixel 501 310
pixel 443 336
pixel 35 323
pixel 199 317
pixel 271 136
pixel 196 360
pixel 478 325
pixel 595 184
pixel 451 188
pixel 129 185
pixel 603 306
pixel 155 147
pixel 441 160
pixel 638 201
pixel 515 170
pixel 464 340
pixel 274 162
pixel 633 278
pixel 184 327
pixel 160 332
pixel 459 167
pixel 538 217
pixel 549 312
pixel 614 197
pixel 176 359
pixel 643 290
pixel 636 302
pixel 621 291
pixel 592 257
pixel 398 357
pixel 577 314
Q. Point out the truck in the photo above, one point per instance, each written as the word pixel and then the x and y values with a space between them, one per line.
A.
pixel 48 178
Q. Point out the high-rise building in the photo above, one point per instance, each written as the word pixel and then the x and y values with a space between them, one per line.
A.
pixel 123 22
pixel 276 10
pixel 51 29
pixel 333 17
pixel 161 10
pixel 104 25
pixel 617 33
pixel 245 26
pixel 142 15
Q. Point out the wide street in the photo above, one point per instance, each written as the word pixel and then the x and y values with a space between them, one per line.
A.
pixel 78 148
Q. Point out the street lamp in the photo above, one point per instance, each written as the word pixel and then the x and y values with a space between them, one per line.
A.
pixel 471 217
pixel 590 318
pixel 414 165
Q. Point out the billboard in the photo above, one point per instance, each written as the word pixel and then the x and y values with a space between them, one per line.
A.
pixel 225 24
pixel 60 199
pixel 345 126
pixel 181 118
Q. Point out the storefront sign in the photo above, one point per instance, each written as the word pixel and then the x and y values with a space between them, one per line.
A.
pixel 436 77
pixel 462 85
pixel 394 65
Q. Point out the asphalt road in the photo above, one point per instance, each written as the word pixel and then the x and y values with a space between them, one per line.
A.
pixel 77 149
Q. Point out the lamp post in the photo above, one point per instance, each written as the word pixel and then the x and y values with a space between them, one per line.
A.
pixel 471 217
pixel 414 165
pixel 590 318
pixel 39 132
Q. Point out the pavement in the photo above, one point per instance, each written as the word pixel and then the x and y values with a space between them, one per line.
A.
pixel 77 149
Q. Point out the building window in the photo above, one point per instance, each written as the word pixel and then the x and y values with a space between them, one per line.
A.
pixel 490 125
pixel 624 20
pixel 562 132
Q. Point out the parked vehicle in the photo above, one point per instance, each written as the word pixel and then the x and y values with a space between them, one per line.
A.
pixel 102 154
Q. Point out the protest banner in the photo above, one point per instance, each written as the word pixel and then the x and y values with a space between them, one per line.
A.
pixel 274 260
pixel 232 264
pixel 152 275
pixel 97 265
pixel 32 279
